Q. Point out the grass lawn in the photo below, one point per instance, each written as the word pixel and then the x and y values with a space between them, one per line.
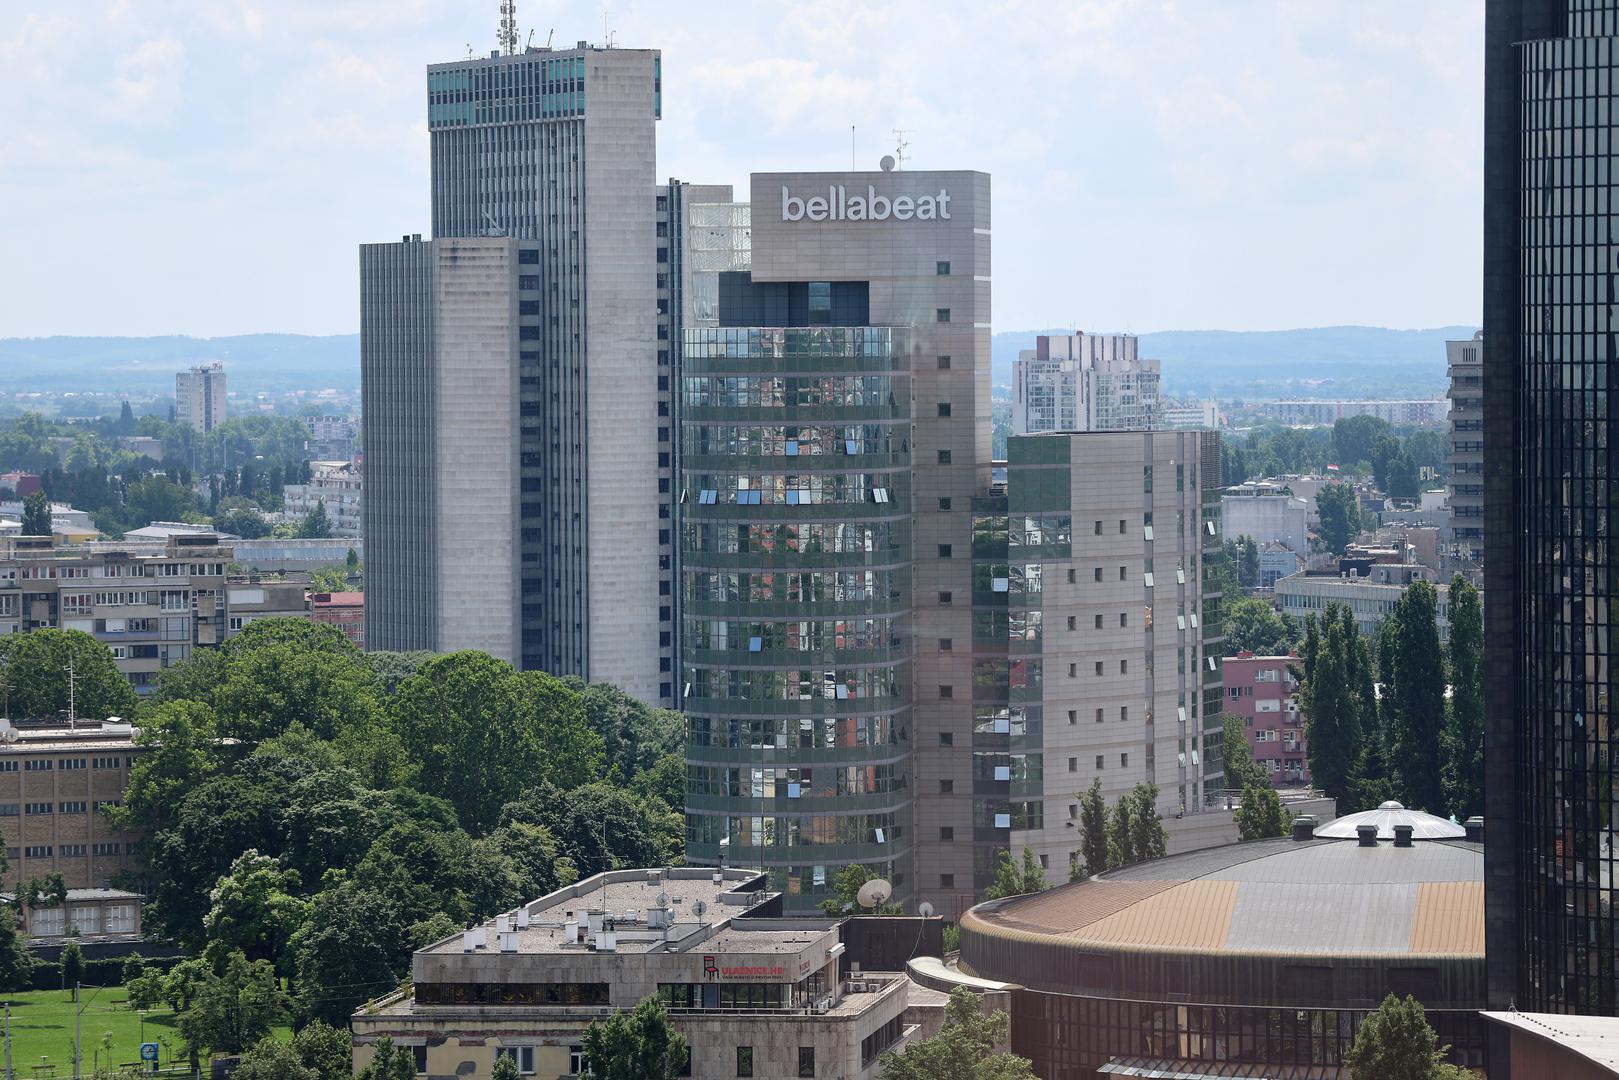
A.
pixel 42 1031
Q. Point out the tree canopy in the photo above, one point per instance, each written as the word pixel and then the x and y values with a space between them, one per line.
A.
pixel 37 667
pixel 1397 1043
pixel 637 1045
pixel 968 1047
pixel 1016 878
pixel 1338 507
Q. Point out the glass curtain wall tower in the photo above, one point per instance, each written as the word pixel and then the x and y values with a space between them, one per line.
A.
pixel 1551 460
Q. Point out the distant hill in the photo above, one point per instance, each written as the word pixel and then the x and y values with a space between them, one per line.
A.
pixel 1348 360
pixel 254 362
pixel 1351 360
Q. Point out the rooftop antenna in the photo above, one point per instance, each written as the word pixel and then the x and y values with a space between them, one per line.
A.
pixel 508 26
pixel 72 706
pixel 901 144
pixel 607 33
pixel 530 43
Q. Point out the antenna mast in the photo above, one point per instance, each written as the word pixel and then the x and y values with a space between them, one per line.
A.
pixel 901 144
pixel 508 27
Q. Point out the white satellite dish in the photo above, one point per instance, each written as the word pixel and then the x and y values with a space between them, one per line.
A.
pixel 887 163
pixel 699 907
pixel 925 910
pixel 874 893
pixel 663 899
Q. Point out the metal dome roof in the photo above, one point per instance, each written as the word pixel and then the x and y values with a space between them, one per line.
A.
pixel 1385 817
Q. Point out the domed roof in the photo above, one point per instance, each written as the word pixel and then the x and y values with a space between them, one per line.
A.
pixel 1385 817
pixel 1318 897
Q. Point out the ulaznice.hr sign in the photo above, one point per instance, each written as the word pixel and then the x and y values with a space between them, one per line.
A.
pixel 838 205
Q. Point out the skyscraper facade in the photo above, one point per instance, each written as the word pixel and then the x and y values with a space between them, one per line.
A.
pixel 552 150
pixel 836 421
pixel 1084 382
pixel 1550 471
pixel 1464 456
pixel 199 396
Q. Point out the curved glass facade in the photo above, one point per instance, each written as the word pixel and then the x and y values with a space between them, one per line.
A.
pixel 1568 484
pixel 796 589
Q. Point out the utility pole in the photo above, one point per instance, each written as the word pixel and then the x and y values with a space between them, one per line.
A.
pixel 8 1041
pixel 78 1014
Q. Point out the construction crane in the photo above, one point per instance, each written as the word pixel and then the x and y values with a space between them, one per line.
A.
pixel 508 27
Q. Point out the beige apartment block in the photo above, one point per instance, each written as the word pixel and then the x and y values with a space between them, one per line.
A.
pixel 55 779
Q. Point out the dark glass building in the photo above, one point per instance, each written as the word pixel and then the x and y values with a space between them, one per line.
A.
pixel 1551 338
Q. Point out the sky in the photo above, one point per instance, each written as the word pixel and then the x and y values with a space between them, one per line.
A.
pixel 209 167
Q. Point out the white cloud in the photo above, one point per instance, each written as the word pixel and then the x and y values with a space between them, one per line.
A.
pixel 146 84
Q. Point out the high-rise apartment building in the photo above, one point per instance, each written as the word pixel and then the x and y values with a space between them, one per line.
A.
pixel 511 377
pixel 1552 572
pixel 1084 382
pixel 834 460
pixel 199 396
pixel 1115 670
pixel 1464 457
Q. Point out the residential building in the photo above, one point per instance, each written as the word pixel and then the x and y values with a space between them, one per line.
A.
pixel 199 397
pixel 144 445
pixel 1189 414
pixel 1113 673
pixel 344 610
pixel 1548 364
pixel 1316 412
pixel 20 484
pixel 1084 382
pixel 332 437
pixel 55 777
pixel 150 605
pixel 1464 457
pixel 336 485
pixel 61 515
pixel 753 994
pixel 1262 692
pixel 830 665
pixel 1370 596
pixel 1258 959
pixel 1277 560
pixel 510 379
pixel 254 596
pixel 1266 516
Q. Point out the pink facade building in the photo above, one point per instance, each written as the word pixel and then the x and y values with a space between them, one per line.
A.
pixel 1259 690
pixel 344 610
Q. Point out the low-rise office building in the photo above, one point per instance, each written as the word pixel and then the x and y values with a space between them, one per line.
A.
pixel 55 778
pixel 752 993
pixel 252 596
pixel 1266 515
pixel 102 916
pixel 1277 560
pixel 1370 597
pixel 344 610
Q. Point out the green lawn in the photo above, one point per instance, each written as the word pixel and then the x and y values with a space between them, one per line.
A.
pixel 42 1031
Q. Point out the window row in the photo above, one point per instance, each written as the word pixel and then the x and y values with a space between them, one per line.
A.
pixel 802 732
pixel 861 685
pixel 795 636
pixel 811 586
pixel 793 782
pixel 792 440
pixel 783 489
pixel 809 830
pixel 806 537
pixel 780 391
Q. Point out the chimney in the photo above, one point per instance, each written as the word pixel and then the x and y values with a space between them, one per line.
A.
pixel 1304 827
pixel 1475 829
pixel 1367 834
pixel 1402 835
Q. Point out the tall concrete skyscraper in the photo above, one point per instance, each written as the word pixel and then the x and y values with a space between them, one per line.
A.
pixel 199 396
pixel 1551 482
pixel 1084 382
pixel 1464 456
pixel 550 152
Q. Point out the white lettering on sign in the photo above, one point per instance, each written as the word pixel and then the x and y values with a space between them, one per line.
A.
pixel 838 205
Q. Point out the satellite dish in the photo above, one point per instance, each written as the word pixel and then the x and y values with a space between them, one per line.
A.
pixel 887 163
pixel 925 910
pixel 699 907
pixel 874 893
pixel 663 899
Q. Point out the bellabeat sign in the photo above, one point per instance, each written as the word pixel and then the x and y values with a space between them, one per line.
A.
pixel 838 205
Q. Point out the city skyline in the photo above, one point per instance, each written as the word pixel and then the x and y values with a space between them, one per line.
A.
pixel 1314 151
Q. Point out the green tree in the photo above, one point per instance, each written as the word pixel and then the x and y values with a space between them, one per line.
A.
pixel 36 515
pixel 1134 830
pixel 247 523
pixel 324 1050
pixel 1464 728
pixel 329 579
pixel 1339 509
pixel 635 736
pixel 1261 814
pixel 1093 845
pixel 1384 450
pixel 1253 625
pixel 316 524
pixel 275 684
pixel 255 909
pixel 1353 436
pixel 16 966
pixel 968 1047
pixel 1248 563
pixel 36 666
pixel 72 967
pixel 389 1062
pixel 1419 700
pixel 1014 879
pixel 353 947
pixel 1332 708
pixel 1402 477
pixel 233 1007
pixel 272 1059
pixel 505 1068
pixel 1397 1043
pixel 845 898
pixel 1241 770
pixel 638 1045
